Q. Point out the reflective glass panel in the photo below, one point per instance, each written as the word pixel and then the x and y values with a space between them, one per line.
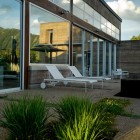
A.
pixel 85 12
pixel 101 57
pixel 117 36
pixel 87 54
pixel 113 34
pixel 65 4
pixel 94 56
pixel 77 47
pixel 103 28
pixel 10 43
pixel 109 31
pixel 88 18
pixel 103 20
pixel 49 37
pixel 78 12
pixel 109 25
pixel 117 31
pixel 89 10
pixel 79 3
pixel 97 15
pixel 113 28
pixel 97 24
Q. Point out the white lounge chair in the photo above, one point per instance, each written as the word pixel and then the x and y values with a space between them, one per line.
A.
pixel 77 74
pixel 120 73
pixel 58 77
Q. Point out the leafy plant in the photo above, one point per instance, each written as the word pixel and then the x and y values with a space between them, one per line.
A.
pixel 25 119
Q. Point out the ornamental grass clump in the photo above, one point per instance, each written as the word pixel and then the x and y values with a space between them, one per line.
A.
pixel 25 119
pixel 79 120
pixel 113 106
pixel 68 107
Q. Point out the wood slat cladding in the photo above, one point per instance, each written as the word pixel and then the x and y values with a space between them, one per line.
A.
pixel 105 11
pixel 129 56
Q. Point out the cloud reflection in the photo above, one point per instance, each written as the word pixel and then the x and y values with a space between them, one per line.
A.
pixel 4 9
pixel 126 9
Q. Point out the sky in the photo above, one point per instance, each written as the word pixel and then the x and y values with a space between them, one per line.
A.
pixel 10 20
pixel 129 12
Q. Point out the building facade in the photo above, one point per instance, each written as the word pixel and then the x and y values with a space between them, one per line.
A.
pixel 33 33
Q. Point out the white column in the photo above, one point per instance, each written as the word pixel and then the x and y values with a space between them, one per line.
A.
pixel 110 59
pixel 83 54
pixel 104 58
pixel 98 50
pixel 91 55
pixel 1 76
pixel 114 59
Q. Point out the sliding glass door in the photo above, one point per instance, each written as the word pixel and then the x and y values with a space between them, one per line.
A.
pixel 82 45
pixel 10 43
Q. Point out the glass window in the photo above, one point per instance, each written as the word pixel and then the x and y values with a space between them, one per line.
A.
pixel 113 28
pixel 113 34
pixel 94 56
pixel 89 10
pixel 109 25
pixel 79 3
pixel 10 43
pixel 117 30
pixel 97 16
pixel 97 24
pixel 117 36
pixel 65 4
pixel 77 47
pixel 87 54
pixel 109 31
pixel 83 11
pixel 103 28
pixel 49 37
pixel 101 57
pixel 88 18
pixel 78 12
pixel 103 20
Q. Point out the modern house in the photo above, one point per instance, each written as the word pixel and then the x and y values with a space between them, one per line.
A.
pixel 33 33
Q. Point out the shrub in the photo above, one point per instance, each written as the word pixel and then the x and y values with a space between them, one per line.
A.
pixel 26 118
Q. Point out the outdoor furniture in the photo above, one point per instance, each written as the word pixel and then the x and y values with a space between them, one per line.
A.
pixel 77 74
pixel 119 73
pixel 130 88
pixel 58 77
